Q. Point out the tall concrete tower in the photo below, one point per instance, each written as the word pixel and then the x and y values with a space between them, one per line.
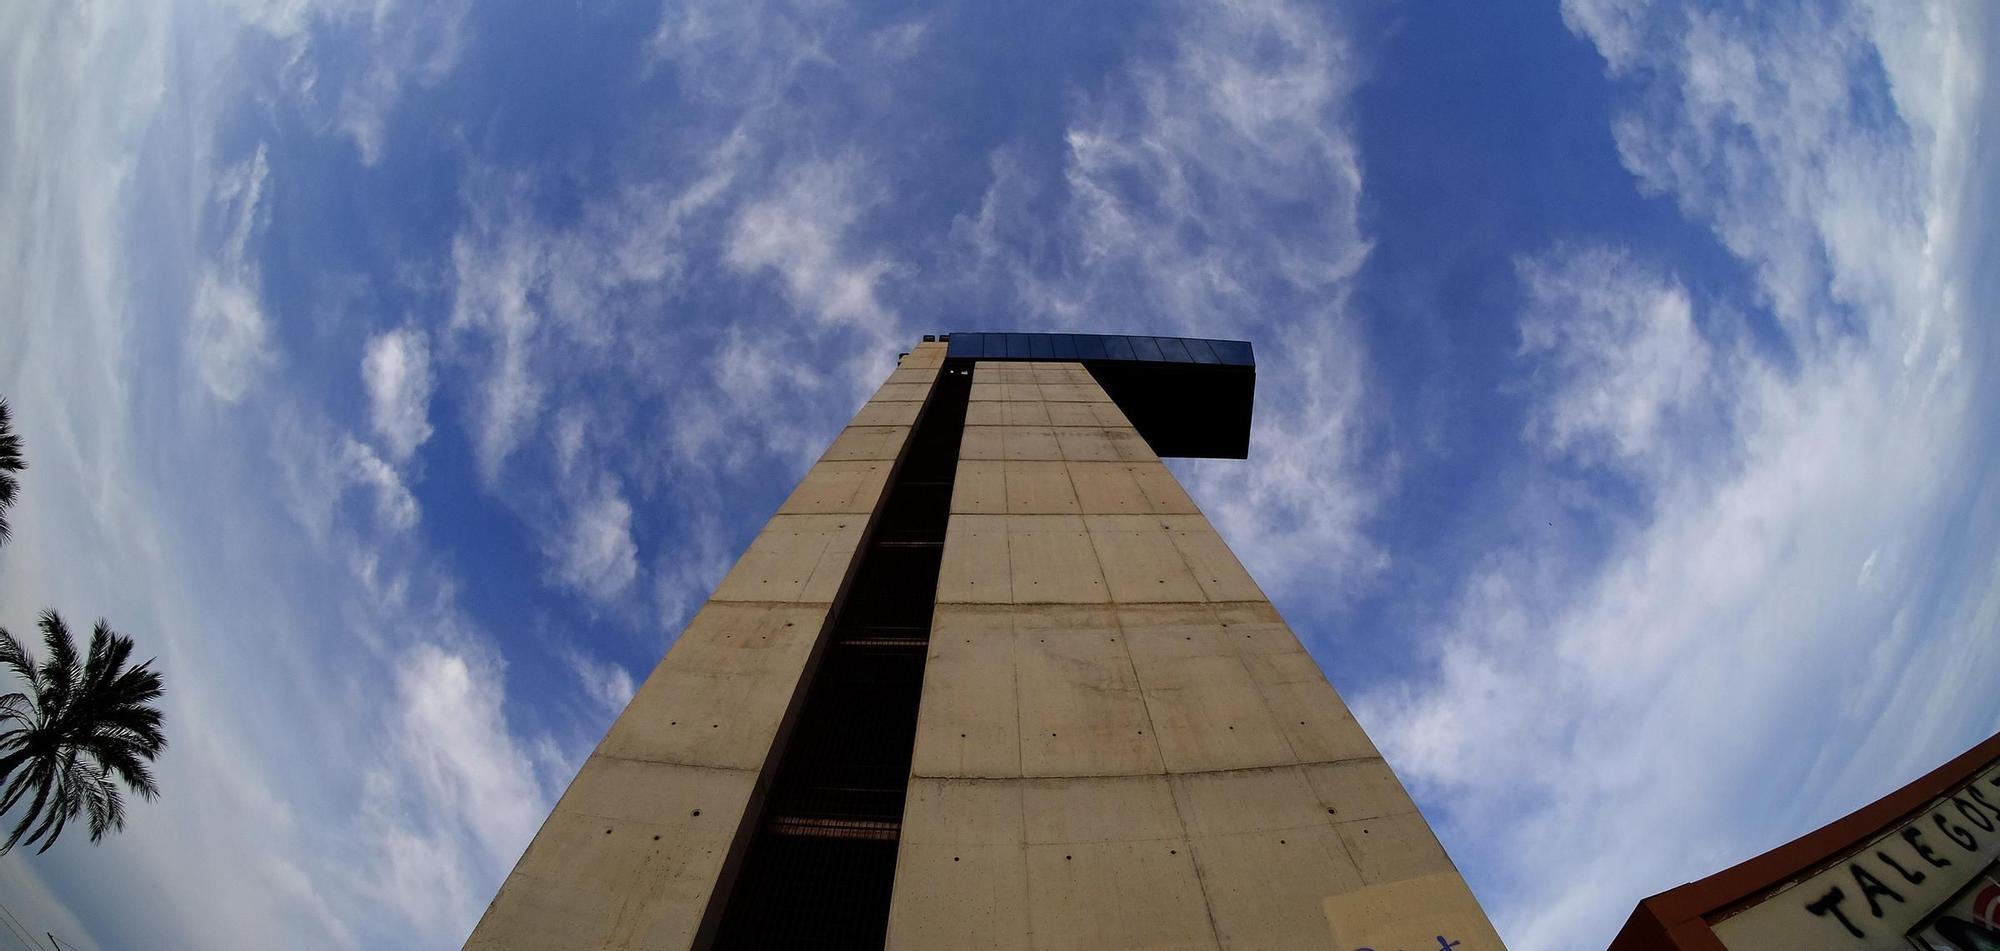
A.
pixel 988 679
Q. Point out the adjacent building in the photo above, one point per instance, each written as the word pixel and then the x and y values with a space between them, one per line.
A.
pixel 989 679
pixel 1917 870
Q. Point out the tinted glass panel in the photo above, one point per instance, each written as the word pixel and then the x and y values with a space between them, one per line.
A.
pixel 1235 352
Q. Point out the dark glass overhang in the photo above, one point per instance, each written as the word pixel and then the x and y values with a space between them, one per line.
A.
pixel 1187 396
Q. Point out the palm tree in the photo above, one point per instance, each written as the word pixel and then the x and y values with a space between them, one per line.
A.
pixel 10 463
pixel 75 732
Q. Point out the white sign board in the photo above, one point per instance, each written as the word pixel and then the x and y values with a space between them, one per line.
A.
pixel 1879 896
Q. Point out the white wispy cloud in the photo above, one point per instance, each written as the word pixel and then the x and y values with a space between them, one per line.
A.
pixel 607 684
pixel 568 330
pixel 396 370
pixel 166 518
pixel 799 232
pixel 596 554
pixel 1617 356
pixel 1212 189
pixel 1776 617
pixel 407 44
pixel 228 341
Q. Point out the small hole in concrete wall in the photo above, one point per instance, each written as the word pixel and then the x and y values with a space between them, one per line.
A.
pixel 656 838
pixel 1066 858
pixel 607 832
pixel 1173 852
pixel 1281 842
pixel 697 812
pixel 954 858
pixel 1329 810
pixel 673 723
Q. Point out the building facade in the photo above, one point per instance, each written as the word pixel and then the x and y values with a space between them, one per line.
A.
pixel 1917 870
pixel 989 679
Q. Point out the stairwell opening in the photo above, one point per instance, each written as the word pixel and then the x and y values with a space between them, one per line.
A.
pixel 821 860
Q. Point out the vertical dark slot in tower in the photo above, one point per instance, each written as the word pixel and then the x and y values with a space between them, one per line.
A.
pixel 823 861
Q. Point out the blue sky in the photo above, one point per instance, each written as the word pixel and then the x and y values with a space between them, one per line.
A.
pixel 404 373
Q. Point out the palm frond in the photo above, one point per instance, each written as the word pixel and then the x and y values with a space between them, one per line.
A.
pixel 44 784
pixel 10 463
pixel 10 443
pixel 82 727
pixel 109 650
pixel 15 658
pixel 106 805
pixel 60 673
pixel 63 806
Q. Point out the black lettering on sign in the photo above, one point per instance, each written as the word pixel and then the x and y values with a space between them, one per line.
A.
pixel 1914 836
pixel 1871 887
pixel 1956 833
pixel 1972 815
pixel 1914 878
pixel 1988 803
pixel 1829 904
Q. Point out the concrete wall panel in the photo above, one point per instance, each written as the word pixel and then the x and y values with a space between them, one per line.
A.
pixel 629 857
pixel 1120 742
pixel 1264 889
pixel 969 720
pixel 1027 443
pixel 883 413
pixel 1090 896
pixel 1040 488
pixel 975 562
pixel 1393 848
pixel 980 487
pixel 901 393
pixel 626 860
pixel 1081 710
pixel 879 443
pixel 795 558
pixel 1359 789
pixel 1139 560
pixel 1050 560
pixel 1210 715
pixel 846 488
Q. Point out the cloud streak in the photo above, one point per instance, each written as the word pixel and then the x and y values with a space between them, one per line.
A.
pixel 1774 616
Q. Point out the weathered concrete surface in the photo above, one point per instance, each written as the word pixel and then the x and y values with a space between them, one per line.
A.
pixel 630 855
pixel 1121 744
